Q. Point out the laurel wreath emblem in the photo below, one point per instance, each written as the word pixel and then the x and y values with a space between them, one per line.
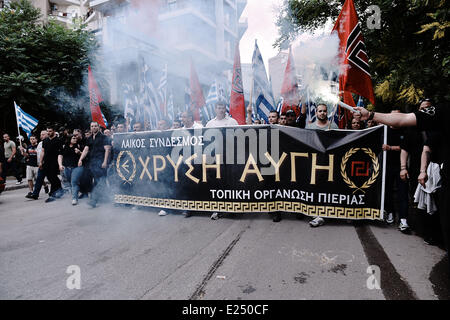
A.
pixel 119 172
pixel 372 179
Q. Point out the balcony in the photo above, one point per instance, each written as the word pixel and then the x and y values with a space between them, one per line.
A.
pixel 63 17
pixel 106 5
pixel 241 6
pixel 67 2
pixel 242 26
pixel 231 3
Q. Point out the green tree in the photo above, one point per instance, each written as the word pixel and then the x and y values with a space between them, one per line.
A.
pixel 409 55
pixel 43 66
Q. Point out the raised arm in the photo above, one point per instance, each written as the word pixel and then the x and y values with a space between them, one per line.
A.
pixel 390 119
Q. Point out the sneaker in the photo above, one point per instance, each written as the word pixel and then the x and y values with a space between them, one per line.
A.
pixel 74 202
pixel 276 217
pixel 316 222
pixel 216 216
pixel 162 213
pixel 187 214
pixel 31 196
pixel 46 189
pixel 390 218
pixel 403 226
pixel 430 241
pixel 18 182
pixel 50 199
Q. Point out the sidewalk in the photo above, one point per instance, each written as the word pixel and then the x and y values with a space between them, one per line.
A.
pixel 11 184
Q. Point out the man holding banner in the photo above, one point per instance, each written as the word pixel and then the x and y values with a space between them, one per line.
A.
pixel 426 119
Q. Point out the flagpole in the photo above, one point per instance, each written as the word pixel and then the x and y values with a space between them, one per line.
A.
pixel 250 106
pixel 332 118
pixel 17 122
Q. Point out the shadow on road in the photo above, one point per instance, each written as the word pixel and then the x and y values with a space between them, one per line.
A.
pixel 440 278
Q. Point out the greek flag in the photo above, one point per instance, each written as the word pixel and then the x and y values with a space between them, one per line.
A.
pixel 207 111
pixel 104 119
pixel 264 102
pixel 162 91
pixel 280 105
pixel 360 102
pixel 150 99
pixel 170 109
pixel 24 120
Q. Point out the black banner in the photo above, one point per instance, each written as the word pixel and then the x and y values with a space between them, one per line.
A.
pixel 265 168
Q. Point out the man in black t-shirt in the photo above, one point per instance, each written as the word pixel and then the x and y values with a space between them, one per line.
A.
pixel 98 146
pixel 30 155
pixel 49 163
pixel 395 137
pixel 431 118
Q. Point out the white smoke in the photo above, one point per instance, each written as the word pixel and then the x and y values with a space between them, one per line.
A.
pixel 317 64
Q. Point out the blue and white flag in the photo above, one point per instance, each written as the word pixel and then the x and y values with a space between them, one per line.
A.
pixel 264 102
pixel 280 105
pixel 24 120
pixel 104 119
pixel 150 100
pixel 162 91
pixel 170 108
pixel 208 111
pixel 310 109
pixel 360 102
pixel 130 100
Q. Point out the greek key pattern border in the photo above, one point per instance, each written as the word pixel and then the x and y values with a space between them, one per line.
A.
pixel 249 207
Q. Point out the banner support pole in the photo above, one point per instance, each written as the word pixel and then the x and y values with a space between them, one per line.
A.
pixel 383 185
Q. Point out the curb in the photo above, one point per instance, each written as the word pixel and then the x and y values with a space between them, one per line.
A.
pixel 11 188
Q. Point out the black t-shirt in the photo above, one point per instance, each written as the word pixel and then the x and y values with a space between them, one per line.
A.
pixel 31 160
pixel 413 144
pixel 395 137
pixel 434 118
pixel 51 150
pixel 70 157
pixel 97 147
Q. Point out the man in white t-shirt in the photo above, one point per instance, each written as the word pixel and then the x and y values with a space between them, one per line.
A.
pixel 221 119
pixel 187 118
pixel 321 123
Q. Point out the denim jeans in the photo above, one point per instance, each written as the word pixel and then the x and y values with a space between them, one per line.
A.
pixel 73 178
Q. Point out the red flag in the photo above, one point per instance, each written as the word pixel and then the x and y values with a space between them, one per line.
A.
pixel 352 53
pixel 197 99
pixel 95 98
pixel 289 89
pixel 237 102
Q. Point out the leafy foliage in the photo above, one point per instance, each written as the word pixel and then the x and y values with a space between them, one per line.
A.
pixel 409 55
pixel 42 67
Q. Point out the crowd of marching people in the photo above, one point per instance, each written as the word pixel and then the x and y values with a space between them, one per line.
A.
pixel 76 163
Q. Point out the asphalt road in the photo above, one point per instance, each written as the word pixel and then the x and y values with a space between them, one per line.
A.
pixel 136 254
